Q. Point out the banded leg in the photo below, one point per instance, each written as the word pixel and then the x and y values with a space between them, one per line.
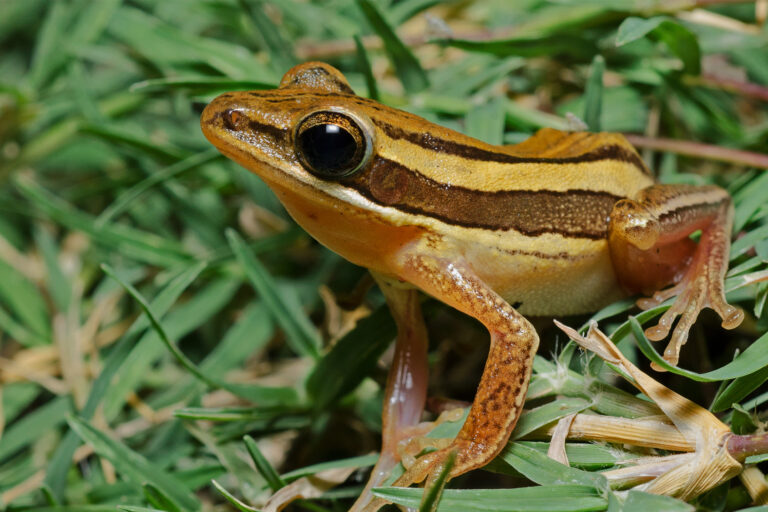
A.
pixel 500 395
pixel 650 248
pixel 406 391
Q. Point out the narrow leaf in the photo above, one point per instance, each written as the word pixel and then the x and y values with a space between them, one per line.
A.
pixel 133 466
pixel 407 67
pixel 299 332
pixel 263 466
pixel 593 104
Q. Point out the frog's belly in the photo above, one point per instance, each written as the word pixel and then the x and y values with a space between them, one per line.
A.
pixel 548 275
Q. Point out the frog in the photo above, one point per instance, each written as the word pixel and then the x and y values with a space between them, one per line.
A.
pixel 562 223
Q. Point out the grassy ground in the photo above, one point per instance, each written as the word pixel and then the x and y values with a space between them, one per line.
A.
pixel 248 367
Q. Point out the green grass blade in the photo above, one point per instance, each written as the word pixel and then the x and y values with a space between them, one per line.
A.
pixel 364 63
pixel 24 300
pixel 29 428
pixel 638 501
pixel 593 105
pixel 133 466
pixel 407 67
pixel 753 359
pixel 239 505
pixel 125 199
pixel 351 359
pixel 353 462
pixel 130 242
pixel 199 85
pixel 539 468
pixel 431 498
pixel 266 30
pixel 263 466
pixel 563 498
pixel 157 498
pixel 681 41
pixel 253 393
pixel 486 121
pixel 50 38
pixel 299 332
pixel 548 413
pixel 56 473
pixel 59 286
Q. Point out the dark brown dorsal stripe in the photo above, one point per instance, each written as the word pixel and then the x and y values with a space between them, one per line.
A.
pixel 572 213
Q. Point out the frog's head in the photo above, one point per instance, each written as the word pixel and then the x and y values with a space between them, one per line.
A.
pixel 318 146
pixel 312 129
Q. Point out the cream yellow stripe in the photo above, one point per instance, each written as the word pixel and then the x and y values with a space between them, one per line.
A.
pixel 611 176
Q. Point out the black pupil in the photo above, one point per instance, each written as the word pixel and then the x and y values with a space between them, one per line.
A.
pixel 329 149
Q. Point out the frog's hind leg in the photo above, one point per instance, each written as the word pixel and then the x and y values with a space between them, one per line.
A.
pixel 501 393
pixel 650 248
pixel 406 391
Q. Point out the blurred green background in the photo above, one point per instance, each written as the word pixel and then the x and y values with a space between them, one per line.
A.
pixel 106 182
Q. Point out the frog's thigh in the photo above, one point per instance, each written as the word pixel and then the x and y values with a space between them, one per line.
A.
pixel 500 395
pixel 650 248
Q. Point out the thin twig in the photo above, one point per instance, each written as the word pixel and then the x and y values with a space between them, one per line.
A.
pixel 705 3
pixel 308 50
pixel 699 150
pixel 748 89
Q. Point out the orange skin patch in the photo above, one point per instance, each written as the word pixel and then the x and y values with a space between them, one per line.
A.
pixel 363 238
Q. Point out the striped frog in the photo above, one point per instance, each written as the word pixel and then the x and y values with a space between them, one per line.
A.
pixel 562 223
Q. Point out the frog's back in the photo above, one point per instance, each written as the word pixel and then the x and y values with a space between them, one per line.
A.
pixel 521 215
pixel 531 219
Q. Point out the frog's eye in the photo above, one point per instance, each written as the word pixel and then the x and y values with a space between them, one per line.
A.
pixel 332 144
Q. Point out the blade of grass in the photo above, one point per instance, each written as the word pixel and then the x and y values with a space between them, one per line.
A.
pixel 431 498
pixel 539 468
pixel 486 121
pixel 239 505
pixel 157 498
pixel 365 66
pixel 24 300
pixel 258 394
pixel 252 331
pixel 125 199
pixel 133 466
pixel 266 30
pixel 753 359
pixel 60 462
pixel 564 498
pixel 681 41
pixel 299 332
pixel 127 241
pixel 263 466
pixel 548 413
pixel 31 427
pixel 58 283
pixel 407 67
pixel 593 107
pixel 351 359
pixel 199 85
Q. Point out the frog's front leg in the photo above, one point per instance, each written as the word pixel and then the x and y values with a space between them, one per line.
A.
pixel 650 248
pixel 501 393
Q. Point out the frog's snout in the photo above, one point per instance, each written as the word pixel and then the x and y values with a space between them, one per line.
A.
pixel 218 114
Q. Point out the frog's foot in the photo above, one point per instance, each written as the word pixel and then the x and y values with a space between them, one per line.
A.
pixel 428 467
pixel 701 287
pixel 410 449
pixel 650 247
